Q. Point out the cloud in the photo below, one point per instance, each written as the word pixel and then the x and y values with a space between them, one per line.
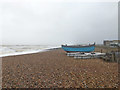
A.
pixel 58 23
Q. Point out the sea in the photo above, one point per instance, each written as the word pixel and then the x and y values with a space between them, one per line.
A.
pixel 11 50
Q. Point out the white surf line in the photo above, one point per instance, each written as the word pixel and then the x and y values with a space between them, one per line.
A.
pixel 28 52
pixel 21 53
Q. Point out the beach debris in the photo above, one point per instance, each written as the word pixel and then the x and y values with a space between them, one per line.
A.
pixel 84 55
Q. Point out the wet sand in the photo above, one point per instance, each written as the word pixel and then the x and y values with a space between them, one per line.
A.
pixel 55 69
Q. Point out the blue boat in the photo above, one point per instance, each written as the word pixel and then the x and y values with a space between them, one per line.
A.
pixel 79 48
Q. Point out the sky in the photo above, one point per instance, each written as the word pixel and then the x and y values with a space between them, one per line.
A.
pixel 45 22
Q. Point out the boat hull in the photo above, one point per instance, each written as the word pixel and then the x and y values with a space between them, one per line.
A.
pixel 89 48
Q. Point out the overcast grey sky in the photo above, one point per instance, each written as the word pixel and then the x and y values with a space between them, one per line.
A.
pixel 41 23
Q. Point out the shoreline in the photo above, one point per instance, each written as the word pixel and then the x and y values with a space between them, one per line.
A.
pixel 28 52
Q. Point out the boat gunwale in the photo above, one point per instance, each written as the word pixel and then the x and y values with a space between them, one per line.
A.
pixel 78 46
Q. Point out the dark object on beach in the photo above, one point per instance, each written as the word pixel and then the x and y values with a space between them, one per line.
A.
pixel 79 48
pixel 92 53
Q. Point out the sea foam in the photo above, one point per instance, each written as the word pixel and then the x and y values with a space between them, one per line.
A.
pixel 11 50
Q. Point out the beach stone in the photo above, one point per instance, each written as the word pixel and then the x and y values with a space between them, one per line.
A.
pixel 54 69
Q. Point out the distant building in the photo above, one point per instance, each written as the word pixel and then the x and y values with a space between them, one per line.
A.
pixel 111 42
pixel 107 42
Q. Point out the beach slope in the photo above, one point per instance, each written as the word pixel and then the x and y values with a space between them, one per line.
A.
pixel 54 69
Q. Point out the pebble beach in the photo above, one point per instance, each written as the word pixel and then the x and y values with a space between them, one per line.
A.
pixel 53 69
